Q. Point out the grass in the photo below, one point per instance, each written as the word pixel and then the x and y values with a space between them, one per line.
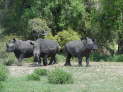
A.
pixel 33 76
pixel 101 77
pixel 41 72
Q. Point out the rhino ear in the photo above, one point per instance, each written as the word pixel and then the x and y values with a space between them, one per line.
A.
pixel 14 39
pixel 32 43
pixel 94 40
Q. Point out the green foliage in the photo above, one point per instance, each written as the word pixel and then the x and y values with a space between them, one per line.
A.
pixel 66 36
pixel 50 36
pixel 59 76
pixel 101 57
pixel 1 85
pixel 116 58
pixel 9 61
pixel 11 36
pixel 40 72
pixel 3 73
pixel 33 76
pixel 23 16
pixel 39 26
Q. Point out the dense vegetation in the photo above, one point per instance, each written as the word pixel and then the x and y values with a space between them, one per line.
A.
pixel 100 19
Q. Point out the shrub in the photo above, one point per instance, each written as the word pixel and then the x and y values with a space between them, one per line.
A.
pixel 3 72
pixel 59 76
pixel 66 36
pixel 116 58
pixel 40 71
pixel 33 76
pixel 3 75
pixel 99 57
pixel 3 54
pixel 63 37
pixel 1 85
pixel 51 37
pixel 9 62
pixel 38 27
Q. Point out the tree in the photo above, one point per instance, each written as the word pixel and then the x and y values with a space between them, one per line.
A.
pixel 38 28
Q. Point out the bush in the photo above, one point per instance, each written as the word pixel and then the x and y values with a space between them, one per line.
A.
pixel 3 54
pixel 40 71
pixel 33 76
pixel 99 57
pixel 1 85
pixel 9 62
pixel 59 76
pixel 51 37
pixel 117 58
pixel 63 37
pixel 3 73
pixel 38 27
pixel 66 36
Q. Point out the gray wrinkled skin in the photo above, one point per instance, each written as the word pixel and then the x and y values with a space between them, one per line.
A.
pixel 45 48
pixel 79 49
pixel 21 49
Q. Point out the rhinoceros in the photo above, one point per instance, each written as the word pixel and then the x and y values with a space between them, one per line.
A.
pixel 79 49
pixel 21 49
pixel 45 48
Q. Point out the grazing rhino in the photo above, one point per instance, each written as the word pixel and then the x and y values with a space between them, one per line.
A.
pixel 45 48
pixel 21 49
pixel 79 49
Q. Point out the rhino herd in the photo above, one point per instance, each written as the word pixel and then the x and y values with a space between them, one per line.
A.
pixel 42 49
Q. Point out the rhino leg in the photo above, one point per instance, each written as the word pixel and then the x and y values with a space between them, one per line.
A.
pixel 87 61
pixel 80 61
pixel 19 62
pixel 39 62
pixel 37 59
pixel 67 63
pixel 45 60
pixel 52 60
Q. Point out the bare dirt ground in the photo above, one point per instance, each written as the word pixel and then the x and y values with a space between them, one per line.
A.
pixel 27 68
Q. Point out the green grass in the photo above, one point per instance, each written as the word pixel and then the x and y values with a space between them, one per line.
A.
pixel 106 77
pixel 41 72
pixel 33 76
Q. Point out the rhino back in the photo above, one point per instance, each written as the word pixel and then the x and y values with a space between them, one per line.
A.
pixel 75 48
pixel 48 46
pixel 23 47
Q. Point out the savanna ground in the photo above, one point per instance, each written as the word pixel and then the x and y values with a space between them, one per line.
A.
pixel 100 77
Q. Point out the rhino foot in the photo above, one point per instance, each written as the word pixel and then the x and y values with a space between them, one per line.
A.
pixel 19 64
pixel 67 64
pixel 80 65
pixel 88 65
